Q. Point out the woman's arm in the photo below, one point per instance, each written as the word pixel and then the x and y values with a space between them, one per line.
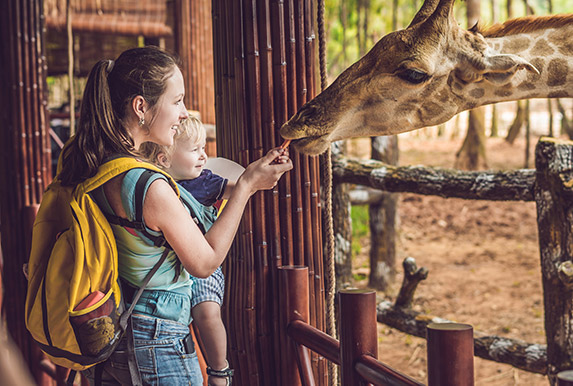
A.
pixel 202 254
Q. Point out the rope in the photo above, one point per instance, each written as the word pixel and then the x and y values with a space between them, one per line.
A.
pixel 326 165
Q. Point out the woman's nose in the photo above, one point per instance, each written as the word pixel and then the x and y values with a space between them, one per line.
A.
pixel 184 114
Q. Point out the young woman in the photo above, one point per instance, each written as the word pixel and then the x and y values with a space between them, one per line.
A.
pixel 135 99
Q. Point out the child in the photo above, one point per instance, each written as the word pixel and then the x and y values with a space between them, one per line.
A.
pixel 185 161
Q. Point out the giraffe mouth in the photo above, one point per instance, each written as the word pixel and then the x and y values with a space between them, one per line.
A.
pixel 311 145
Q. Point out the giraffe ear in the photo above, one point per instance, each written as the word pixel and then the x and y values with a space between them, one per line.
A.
pixel 500 68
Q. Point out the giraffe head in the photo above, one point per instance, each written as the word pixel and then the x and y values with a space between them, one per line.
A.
pixel 412 78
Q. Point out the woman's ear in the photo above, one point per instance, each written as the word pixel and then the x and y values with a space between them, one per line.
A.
pixel 139 107
pixel 163 160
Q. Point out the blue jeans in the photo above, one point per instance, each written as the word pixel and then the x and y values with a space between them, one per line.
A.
pixel 160 354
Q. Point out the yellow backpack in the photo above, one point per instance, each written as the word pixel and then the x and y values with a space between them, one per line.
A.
pixel 74 307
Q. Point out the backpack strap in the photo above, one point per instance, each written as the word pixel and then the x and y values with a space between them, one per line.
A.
pixel 138 224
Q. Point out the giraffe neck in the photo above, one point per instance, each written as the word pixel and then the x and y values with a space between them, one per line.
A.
pixel 550 50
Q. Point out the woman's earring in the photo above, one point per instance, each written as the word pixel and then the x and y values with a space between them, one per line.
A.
pixel 142 122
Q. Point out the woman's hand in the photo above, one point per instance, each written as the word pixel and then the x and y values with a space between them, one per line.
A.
pixel 265 172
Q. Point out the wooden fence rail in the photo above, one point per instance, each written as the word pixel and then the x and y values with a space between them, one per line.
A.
pixel 450 344
pixel 510 185
pixel 550 185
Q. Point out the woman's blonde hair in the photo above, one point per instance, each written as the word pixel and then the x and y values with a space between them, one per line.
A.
pixel 191 129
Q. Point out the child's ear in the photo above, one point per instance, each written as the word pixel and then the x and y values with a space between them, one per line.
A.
pixel 163 160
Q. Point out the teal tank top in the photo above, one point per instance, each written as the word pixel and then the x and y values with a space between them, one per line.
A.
pixel 168 294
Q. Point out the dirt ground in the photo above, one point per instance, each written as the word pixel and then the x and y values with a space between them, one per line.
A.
pixel 483 262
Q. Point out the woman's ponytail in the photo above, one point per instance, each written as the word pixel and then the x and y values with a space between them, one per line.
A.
pixel 102 126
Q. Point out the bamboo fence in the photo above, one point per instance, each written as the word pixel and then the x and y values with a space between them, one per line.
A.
pixel 194 43
pixel 25 148
pixel 264 65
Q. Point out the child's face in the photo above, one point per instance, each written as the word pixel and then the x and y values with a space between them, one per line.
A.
pixel 188 160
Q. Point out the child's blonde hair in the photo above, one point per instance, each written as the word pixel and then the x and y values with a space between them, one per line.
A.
pixel 190 129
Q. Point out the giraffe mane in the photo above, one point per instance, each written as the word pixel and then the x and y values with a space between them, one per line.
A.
pixel 527 24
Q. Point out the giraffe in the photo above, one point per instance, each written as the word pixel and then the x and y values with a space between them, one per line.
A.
pixel 427 73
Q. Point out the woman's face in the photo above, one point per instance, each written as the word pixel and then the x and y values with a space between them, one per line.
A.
pixel 165 116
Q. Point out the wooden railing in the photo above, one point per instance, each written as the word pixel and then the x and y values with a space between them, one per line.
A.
pixel 450 345
pixel 550 185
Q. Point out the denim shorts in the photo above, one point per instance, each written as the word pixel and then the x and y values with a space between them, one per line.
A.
pixel 211 289
pixel 160 352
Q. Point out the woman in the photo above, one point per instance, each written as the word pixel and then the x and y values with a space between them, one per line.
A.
pixel 135 99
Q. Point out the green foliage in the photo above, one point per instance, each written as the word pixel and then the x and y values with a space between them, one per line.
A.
pixel 345 19
pixel 360 226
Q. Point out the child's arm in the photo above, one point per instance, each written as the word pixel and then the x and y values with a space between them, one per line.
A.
pixel 228 190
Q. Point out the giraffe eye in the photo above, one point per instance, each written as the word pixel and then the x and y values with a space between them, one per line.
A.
pixel 413 76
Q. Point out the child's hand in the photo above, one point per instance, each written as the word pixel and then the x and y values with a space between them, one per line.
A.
pixel 284 152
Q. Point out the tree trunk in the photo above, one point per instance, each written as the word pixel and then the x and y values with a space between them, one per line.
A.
pixel 472 155
pixel 394 15
pixel 342 225
pixel 527 135
pixel 515 127
pixel 382 217
pixel 366 9
pixel 494 132
pixel 566 123
pixel 358 24
pixel 550 113
pixel 554 199
pixel 343 22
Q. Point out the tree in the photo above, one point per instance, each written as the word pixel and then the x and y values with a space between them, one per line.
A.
pixel 382 218
pixel 472 154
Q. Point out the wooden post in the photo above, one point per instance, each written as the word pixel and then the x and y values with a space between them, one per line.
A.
pixel 358 334
pixel 565 378
pixel 293 280
pixel 554 199
pixel 450 354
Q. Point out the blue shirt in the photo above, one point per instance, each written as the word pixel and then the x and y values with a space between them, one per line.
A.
pixel 207 188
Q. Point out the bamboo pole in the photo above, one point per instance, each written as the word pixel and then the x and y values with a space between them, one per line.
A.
pixel 24 168
pixel 260 59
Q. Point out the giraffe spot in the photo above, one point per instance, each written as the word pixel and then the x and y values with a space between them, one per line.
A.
pixel 542 48
pixel 471 105
pixel 430 88
pixel 477 93
pixel 517 44
pixel 557 72
pixel 406 108
pixel 526 86
pixel 444 95
pixel 566 48
pixel 503 93
pixel 558 94
pixel 430 109
pixel 560 37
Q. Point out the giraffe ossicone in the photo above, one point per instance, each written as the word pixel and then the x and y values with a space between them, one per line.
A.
pixel 432 70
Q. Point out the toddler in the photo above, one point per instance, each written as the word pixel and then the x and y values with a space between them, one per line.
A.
pixel 185 161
